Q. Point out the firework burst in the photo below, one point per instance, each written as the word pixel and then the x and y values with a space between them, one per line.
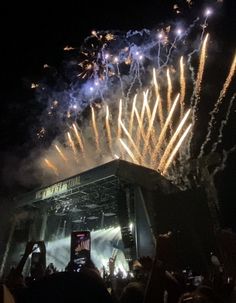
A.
pixel 133 99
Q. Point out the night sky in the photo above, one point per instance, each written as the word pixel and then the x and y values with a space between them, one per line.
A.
pixel 33 35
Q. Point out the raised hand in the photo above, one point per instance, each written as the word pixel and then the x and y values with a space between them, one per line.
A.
pixel 111 265
pixel 29 248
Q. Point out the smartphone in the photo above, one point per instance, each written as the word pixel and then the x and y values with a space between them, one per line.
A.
pixel 35 261
pixel 80 249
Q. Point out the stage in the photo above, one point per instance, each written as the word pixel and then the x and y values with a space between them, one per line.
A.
pixel 125 206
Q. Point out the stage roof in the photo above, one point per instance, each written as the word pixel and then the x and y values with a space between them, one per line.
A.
pixel 100 184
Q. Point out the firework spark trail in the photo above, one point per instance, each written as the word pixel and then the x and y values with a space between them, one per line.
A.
pixel 108 129
pixel 169 95
pixel 160 110
pixel 227 82
pixel 173 45
pixel 192 72
pixel 222 125
pixel 190 67
pixel 148 110
pixel 128 151
pixel 138 74
pixel 149 117
pixel 131 140
pixel 119 119
pixel 144 107
pixel 172 141
pixel 204 26
pixel 197 88
pixel 217 104
pixel 131 121
pixel 158 53
pixel 175 150
pixel 61 153
pixel 139 123
pixel 150 128
pixel 95 130
pixel 101 95
pixel 51 166
pixel 119 131
pixel 121 82
pixel 201 68
pixel 182 87
pixel 134 69
pixel 131 85
pixel 163 132
pixel 222 166
pixel 104 59
pixel 169 89
pixel 78 138
pixel 72 145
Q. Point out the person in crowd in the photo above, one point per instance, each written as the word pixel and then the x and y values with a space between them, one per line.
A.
pixel 149 280
pixel 133 292
pixel 68 287
pixel 5 295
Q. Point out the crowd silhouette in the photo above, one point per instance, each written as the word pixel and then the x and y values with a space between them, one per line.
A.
pixel 148 281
